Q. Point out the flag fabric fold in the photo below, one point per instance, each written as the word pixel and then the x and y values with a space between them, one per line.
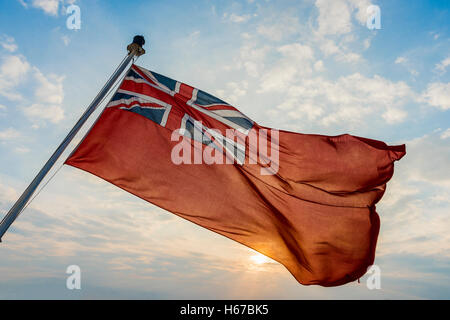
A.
pixel 306 201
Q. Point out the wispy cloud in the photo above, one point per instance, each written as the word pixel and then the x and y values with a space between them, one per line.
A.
pixel 9 134
pixel 13 70
pixel 8 43
pixel 48 97
pixel 235 18
pixel 414 216
pixel 277 28
pixel 445 134
pixel 349 100
pixel 442 66
pixel 437 95
pixel 46 104
pixel 50 7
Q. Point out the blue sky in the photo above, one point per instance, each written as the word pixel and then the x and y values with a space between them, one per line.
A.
pixel 307 66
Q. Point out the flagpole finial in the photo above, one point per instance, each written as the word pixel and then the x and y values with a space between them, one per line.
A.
pixel 136 46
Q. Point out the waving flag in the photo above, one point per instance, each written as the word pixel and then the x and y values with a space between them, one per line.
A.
pixel 306 201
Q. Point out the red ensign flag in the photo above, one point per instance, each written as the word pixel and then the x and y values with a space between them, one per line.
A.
pixel 306 201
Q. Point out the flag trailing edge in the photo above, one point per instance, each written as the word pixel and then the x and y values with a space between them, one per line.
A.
pixel 306 201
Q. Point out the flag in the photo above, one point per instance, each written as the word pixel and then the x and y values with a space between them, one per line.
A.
pixel 306 201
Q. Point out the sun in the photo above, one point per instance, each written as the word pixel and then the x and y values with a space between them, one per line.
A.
pixel 258 258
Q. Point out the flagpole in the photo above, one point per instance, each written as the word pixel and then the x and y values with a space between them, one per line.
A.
pixel 134 49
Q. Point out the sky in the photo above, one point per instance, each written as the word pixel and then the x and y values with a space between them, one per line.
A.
pixel 308 66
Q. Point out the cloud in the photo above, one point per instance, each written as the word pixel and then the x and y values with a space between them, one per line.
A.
pixel 295 110
pixel 442 66
pixel 429 157
pixel 48 98
pixel 233 91
pixel 52 113
pixel 437 95
pixel 414 210
pixel 445 134
pixel 48 92
pixel 9 134
pixel 319 66
pixel 340 51
pixel 359 7
pixel 8 43
pixel 350 100
pixel 66 40
pixel 335 26
pixel 296 61
pixel 23 3
pixel 278 28
pixel 251 58
pixel 50 7
pixel 13 71
pixel 400 60
pixel 50 88
pixel 393 115
pixel 350 57
pixel 14 67
pixel 7 194
pixel 405 63
pixel 21 150
pixel 235 18
pixel 367 43
pixel 335 17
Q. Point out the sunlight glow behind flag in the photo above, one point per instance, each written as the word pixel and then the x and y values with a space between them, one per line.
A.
pixel 306 201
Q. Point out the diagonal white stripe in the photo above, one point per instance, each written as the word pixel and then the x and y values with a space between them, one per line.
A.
pixel 145 97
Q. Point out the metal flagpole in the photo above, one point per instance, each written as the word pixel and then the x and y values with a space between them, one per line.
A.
pixel 134 49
